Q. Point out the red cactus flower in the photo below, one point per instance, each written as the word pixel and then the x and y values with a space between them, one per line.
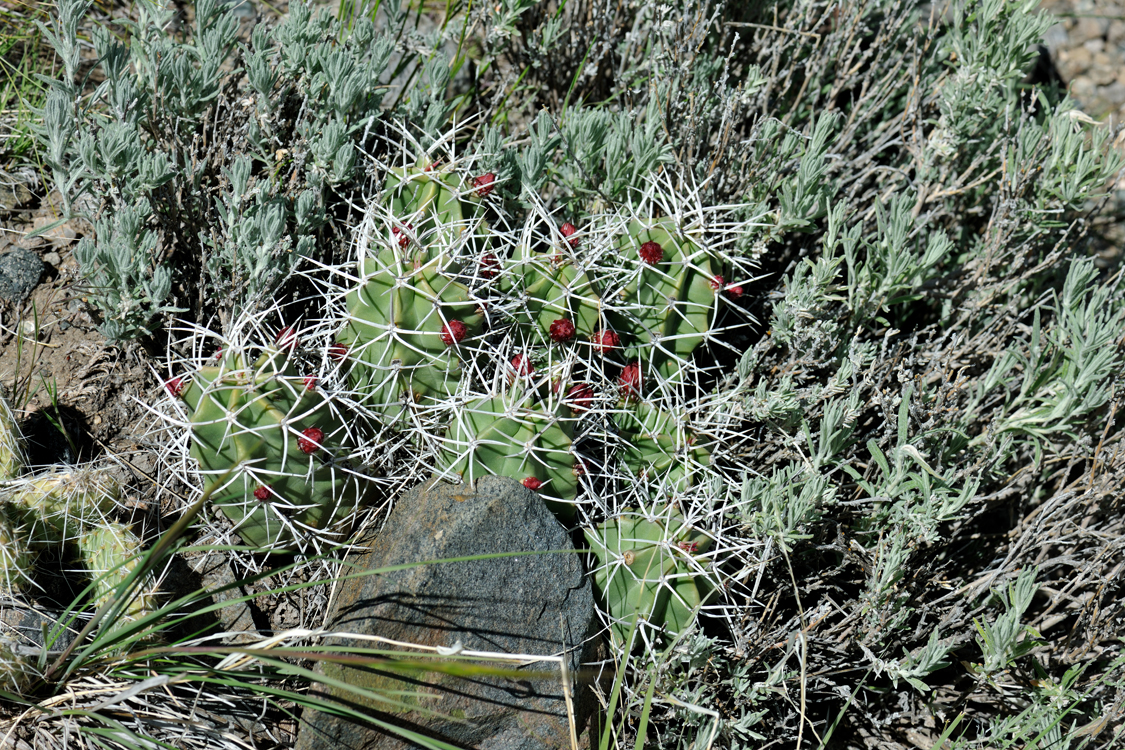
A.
pixel 522 366
pixel 734 291
pixel 337 352
pixel 489 266
pixel 631 381
pixel 718 282
pixel 401 234
pixel 175 387
pixel 310 383
pixel 652 253
pixel 484 184
pixel 286 339
pixel 532 483
pixel 561 330
pixel 568 230
pixel 311 440
pixel 691 547
pixel 605 341
pixel 453 332
pixel 262 492
pixel 580 397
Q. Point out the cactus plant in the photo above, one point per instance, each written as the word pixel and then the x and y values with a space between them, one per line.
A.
pixel 658 445
pixel 58 507
pixel 276 443
pixel 650 568
pixel 518 438
pixel 408 316
pixel 111 552
pixel 16 556
pixel 11 444
pixel 666 301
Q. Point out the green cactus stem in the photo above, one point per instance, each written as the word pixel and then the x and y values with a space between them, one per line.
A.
pixel 16 556
pixel 649 569
pixel 111 552
pixel 12 460
pixel 517 438
pixel 667 302
pixel 278 445
pixel 657 445
pixel 56 508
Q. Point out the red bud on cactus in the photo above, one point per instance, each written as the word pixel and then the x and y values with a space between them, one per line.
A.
pixel 568 230
pixel 522 366
pixel 631 380
pixel 175 387
pixel 262 493
pixel 433 165
pixel 311 440
pixel 605 341
pixel 532 483
pixel 561 330
pixel 580 397
pixel 734 291
pixel 691 547
pixel 403 237
pixel 489 266
pixel 652 253
pixel 310 383
pixel 718 282
pixel 484 184
pixel 337 352
pixel 453 332
pixel 286 339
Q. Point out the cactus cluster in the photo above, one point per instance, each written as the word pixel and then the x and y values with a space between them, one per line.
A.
pixel 562 357
pixel 64 507
pixel 559 355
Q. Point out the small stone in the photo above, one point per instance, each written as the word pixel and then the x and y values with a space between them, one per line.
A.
pixel 1075 60
pixel 1094 46
pixel 52 259
pixel 1089 28
pixel 1104 72
pixel 20 271
pixel 1116 32
pixel 529 605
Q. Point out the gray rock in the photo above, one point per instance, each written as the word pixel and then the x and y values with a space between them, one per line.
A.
pixel 20 270
pixel 529 605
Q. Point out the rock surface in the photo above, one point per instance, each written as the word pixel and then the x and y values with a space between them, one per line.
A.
pixel 528 605
pixel 20 270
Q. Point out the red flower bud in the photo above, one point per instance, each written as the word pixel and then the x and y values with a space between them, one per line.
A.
pixel 310 383
pixel 580 397
pixel 403 237
pixel 605 341
pixel 561 330
pixel 286 339
pixel 631 381
pixel 652 253
pixel 175 387
pixel 522 366
pixel 484 184
pixel 489 266
pixel 568 230
pixel 691 547
pixel 311 440
pixel 532 483
pixel 337 352
pixel 453 332
pixel 718 282
pixel 262 492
